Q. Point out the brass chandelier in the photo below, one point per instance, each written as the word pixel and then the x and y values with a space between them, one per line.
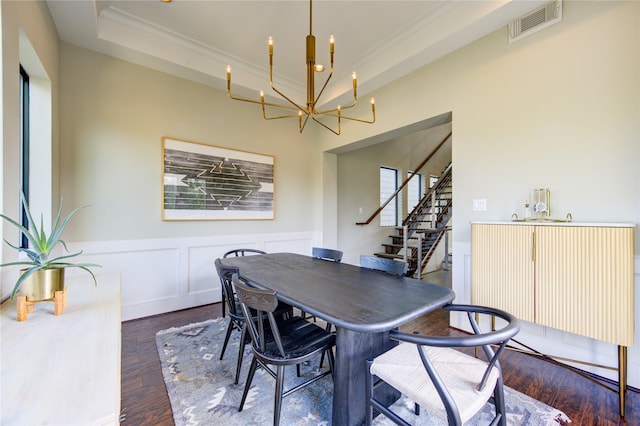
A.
pixel 304 112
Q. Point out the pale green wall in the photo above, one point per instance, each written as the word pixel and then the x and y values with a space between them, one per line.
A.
pixel 113 117
pixel 558 109
pixel 34 20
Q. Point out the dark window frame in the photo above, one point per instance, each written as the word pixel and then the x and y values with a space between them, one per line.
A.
pixel 24 150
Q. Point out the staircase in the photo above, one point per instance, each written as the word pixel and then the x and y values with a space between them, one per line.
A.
pixel 424 228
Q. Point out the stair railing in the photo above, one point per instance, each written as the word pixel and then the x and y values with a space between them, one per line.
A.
pixel 429 197
pixel 405 242
pixel 428 204
pixel 415 172
pixel 418 273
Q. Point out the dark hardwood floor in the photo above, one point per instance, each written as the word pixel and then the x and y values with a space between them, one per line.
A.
pixel 145 401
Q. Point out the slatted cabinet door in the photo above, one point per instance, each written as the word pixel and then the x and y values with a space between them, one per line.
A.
pixel 573 278
pixel 502 268
pixel 584 281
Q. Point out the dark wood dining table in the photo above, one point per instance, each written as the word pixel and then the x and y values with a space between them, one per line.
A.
pixel 362 304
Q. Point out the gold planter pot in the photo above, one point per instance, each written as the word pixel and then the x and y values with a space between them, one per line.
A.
pixel 42 284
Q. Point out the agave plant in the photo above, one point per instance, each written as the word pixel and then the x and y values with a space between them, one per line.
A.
pixel 41 245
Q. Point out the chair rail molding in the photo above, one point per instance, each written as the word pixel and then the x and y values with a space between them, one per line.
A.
pixel 169 274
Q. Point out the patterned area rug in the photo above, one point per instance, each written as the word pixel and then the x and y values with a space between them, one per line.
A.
pixel 201 388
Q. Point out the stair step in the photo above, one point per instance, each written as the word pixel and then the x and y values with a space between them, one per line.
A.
pixel 389 256
pixel 399 246
pixel 427 223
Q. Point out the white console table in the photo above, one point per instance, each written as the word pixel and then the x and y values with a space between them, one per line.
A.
pixel 63 370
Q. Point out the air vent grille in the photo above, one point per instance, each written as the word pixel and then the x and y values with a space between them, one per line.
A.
pixel 532 22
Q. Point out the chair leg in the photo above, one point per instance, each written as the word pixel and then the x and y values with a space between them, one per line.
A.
pixel 332 361
pixel 243 335
pixel 329 325
pixel 498 400
pixel 224 304
pixel 369 394
pixel 277 406
pixel 247 385
pixel 226 338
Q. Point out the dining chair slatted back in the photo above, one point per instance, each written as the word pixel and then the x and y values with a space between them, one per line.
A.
pixel 326 254
pixel 289 341
pixel 237 253
pixel 448 383
pixel 243 252
pixel 390 266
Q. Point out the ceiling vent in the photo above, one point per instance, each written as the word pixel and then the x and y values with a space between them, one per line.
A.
pixel 535 21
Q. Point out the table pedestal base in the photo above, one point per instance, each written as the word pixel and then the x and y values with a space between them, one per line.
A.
pixel 349 389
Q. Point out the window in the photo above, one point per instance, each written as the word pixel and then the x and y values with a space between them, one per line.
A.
pixel 415 190
pixel 433 180
pixel 36 166
pixel 388 185
pixel 24 147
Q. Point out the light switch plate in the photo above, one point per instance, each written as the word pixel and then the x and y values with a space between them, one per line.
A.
pixel 480 205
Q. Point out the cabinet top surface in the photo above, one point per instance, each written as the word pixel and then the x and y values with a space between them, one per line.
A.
pixel 51 363
pixel 552 223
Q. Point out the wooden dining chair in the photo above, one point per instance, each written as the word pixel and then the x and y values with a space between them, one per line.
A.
pixel 237 253
pixel 391 266
pixel 326 254
pixel 236 318
pixel 451 385
pixel 288 342
pixel 243 252
pixel 330 255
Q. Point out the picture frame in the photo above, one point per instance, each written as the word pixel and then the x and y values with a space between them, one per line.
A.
pixel 207 182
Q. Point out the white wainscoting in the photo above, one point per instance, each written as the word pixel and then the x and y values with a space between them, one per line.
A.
pixel 164 275
pixel 555 342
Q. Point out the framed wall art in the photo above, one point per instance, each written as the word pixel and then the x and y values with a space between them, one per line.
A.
pixel 206 182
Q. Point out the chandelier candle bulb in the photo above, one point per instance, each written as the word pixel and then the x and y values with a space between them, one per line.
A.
pixel 355 85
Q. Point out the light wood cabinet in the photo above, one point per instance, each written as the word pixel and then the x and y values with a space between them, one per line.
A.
pixel 64 370
pixel 572 277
